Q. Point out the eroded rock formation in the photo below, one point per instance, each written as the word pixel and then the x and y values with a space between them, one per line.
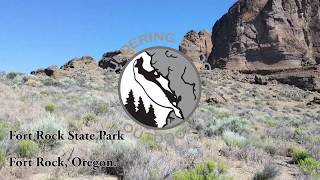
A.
pixel 267 35
pixel 197 46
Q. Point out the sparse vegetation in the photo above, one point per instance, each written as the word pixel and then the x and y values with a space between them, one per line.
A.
pixel 252 132
pixel 3 130
pixel 27 148
pixel 206 170
pixel 298 154
pixel 269 172
pixel 50 107
pixel 48 125
pixel 150 141
pixel 233 139
pixel 3 157
pixel 310 166
pixel 305 161
pixel 88 117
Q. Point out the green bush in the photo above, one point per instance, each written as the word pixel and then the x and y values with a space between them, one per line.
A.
pixel 202 171
pixel 310 166
pixel 233 139
pixel 27 148
pixel 298 154
pixel 268 172
pixel 3 157
pixel 304 160
pixel 271 122
pixel 149 140
pixel 89 117
pixel 49 107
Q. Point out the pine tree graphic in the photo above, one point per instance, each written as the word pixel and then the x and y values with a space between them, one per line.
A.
pixel 151 117
pixel 141 112
pixel 130 106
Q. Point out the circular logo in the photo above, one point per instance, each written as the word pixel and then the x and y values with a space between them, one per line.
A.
pixel 159 88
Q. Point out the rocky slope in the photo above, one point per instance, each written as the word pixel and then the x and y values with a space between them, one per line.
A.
pixel 244 120
pixel 267 35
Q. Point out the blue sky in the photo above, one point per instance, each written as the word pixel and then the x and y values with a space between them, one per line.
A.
pixel 38 33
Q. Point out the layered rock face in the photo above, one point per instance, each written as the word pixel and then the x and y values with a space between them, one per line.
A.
pixel 197 46
pixel 267 35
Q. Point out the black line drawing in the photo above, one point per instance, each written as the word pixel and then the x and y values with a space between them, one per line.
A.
pixel 152 77
pixel 191 84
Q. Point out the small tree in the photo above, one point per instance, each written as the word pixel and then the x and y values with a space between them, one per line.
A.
pixel 151 117
pixel 130 106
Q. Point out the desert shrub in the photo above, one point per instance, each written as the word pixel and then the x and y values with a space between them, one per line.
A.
pixel 233 139
pixel 298 131
pixel 205 170
pixel 48 125
pixel 305 161
pixel 11 75
pixel 218 113
pixel 49 107
pixel 3 130
pixel 310 166
pixel 153 174
pixel 126 154
pixel 74 125
pixel 313 139
pixel 269 172
pixel 271 122
pixel 298 154
pixel 51 82
pixel 233 124
pixel 3 157
pixel 250 153
pixel 100 108
pixel 31 82
pixel 208 124
pixel 44 93
pixel 27 148
pixel 89 117
pixel 149 140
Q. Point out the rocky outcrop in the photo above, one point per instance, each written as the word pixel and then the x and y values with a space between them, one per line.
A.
pixel 50 71
pixel 85 62
pixel 75 68
pixel 197 46
pixel 88 66
pixel 114 61
pixel 306 78
pixel 267 35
